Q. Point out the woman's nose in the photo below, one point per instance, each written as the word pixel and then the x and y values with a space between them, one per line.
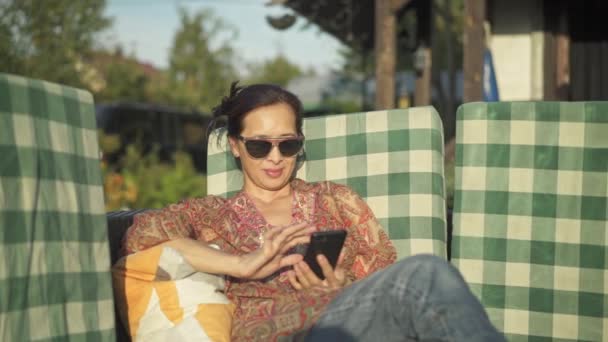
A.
pixel 275 155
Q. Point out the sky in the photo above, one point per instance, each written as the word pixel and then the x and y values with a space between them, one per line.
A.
pixel 146 28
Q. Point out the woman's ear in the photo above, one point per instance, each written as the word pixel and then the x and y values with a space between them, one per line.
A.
pixel 234 147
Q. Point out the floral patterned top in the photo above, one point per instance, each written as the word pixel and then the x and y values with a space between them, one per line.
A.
pixel 270 308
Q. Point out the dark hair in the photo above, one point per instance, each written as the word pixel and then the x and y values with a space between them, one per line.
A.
pixel 243 100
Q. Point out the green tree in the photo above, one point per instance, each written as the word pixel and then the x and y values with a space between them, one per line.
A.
pixel 49 39
pixel 142 181
pixel 123 78
pixel 278 70
pixel 200 65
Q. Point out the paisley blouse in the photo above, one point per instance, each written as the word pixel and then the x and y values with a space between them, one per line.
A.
pixel 271 308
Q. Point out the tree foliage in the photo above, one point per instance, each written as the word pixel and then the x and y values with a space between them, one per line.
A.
pixel 278 70
pixel 49 39
pixel 57 40
pixel 449 32
pixel 144 182
pixel 123 78
pixel 200 65
pixel 448 24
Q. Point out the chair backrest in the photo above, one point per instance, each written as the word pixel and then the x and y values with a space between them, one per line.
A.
pixel 393 159
pixel 54 257
pixel 530 216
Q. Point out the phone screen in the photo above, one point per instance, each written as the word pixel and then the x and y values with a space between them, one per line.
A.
pixel 329 243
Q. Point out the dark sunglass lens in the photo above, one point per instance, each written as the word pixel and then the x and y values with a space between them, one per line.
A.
pixel 258 148
pixel 290 147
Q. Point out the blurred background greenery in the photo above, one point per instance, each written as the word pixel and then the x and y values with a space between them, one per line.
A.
pixel 149 167
pixel 142 181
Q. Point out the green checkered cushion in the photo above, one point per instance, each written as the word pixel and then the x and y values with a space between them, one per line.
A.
pixel 530 218
pixel 54 256
pixel 393 159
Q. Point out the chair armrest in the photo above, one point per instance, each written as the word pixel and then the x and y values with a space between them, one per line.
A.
pixel 118 223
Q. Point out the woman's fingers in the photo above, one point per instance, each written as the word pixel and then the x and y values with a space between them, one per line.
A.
pixel 328 271
pixel 293 232
pixel 286 231
pixel 341 276
pixel 296 227
pixel 300 275
pixel 278 235
pixel 290 260
pixel 270 234
pixel 302 236
pixel 308 274
pixel 293 280
pixel 277 242
pixel 334 277
pixel 294 242
pixel 341 257
pixel 282 242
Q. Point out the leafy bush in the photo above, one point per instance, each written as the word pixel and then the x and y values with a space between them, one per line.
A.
pixel 142 181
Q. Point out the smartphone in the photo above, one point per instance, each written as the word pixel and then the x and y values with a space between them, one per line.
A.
pixel 329 243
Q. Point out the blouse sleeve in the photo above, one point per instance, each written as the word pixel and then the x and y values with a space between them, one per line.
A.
pixel 370 246
pixel 181 220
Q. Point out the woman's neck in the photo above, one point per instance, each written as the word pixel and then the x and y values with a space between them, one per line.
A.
pixel 268 196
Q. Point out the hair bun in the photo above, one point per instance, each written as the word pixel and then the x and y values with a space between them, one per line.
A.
pixel 220 112
pixel 223 108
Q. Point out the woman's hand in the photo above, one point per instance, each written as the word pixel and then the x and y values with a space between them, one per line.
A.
pixel 302 277
pixel 270 257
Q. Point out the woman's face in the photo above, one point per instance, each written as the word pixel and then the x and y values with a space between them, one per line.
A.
pixel 272 172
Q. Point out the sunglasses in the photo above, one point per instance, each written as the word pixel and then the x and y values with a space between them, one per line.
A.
pixel 260 147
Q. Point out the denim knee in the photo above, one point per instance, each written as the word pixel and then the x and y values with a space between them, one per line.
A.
pixel 428 272
pixel 426 262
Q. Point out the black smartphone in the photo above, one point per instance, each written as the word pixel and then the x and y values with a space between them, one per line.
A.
pixel 329 243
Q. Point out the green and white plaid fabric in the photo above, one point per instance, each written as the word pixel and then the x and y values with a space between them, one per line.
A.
pixel 530 218
pixel 393 159
pixel 54 256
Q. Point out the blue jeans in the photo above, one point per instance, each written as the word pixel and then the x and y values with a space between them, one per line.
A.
pixel 421 298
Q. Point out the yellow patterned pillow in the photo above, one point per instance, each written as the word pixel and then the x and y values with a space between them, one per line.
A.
pixel 160 297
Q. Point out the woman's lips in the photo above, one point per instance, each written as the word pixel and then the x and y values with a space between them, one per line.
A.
pixel 273 173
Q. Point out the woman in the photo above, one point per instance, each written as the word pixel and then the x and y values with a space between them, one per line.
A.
pixel 275 292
